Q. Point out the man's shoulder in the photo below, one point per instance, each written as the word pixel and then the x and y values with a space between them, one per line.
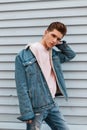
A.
pixel 25 54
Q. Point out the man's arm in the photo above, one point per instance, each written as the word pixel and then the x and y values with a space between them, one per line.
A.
pixel 21 85
pixel 65 53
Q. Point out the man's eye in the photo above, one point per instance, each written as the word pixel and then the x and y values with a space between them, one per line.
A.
pixel 58 39
pixel 53 35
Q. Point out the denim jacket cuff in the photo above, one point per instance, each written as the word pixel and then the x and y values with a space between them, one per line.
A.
pixel 26 116
pixel 62 46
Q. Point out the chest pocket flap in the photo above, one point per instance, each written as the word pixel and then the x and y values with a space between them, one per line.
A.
pixel 29 62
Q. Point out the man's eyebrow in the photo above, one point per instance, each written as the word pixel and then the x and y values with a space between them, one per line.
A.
pixel 57 37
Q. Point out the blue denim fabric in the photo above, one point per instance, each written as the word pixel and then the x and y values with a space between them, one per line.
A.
pixel 52 117
pixel 32 89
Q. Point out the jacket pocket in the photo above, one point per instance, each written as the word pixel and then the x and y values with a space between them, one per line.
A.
pixel 29 62
pixel 33 97
pixel 30 66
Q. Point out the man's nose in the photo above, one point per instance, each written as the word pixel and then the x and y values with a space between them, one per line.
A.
pixel 55 40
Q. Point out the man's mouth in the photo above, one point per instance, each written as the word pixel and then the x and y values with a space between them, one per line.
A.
pixel 52 44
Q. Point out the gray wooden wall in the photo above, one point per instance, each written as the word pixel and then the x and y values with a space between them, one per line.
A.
pixel 24 21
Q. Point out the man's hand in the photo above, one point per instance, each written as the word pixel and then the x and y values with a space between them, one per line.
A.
pixel 29 122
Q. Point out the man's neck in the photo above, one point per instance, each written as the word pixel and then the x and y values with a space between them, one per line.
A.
pixel 43 43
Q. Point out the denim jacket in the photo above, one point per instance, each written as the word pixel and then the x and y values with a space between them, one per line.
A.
pixel 32 89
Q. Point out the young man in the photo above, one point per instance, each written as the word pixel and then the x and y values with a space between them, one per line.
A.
pixel 39 79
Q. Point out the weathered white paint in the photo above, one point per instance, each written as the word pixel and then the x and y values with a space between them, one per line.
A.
pixel 24 21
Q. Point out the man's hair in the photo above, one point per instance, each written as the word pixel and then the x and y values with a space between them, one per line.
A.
pixel 58 26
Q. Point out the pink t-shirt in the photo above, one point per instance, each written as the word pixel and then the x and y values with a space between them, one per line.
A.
pixel 43 57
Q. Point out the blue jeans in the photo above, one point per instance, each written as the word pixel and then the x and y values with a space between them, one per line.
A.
pixel 52 117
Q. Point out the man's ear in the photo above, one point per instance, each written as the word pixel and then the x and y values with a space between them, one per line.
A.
pixel 45 32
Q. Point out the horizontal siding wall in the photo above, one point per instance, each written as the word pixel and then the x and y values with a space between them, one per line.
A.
pixel 23 22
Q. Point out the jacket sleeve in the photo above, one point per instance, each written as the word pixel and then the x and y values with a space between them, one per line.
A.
pixel 22 92
pixel 65 53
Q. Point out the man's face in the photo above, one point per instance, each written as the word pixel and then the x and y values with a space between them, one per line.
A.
pixel 52 38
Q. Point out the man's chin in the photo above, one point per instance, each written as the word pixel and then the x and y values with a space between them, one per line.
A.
pixel 51 47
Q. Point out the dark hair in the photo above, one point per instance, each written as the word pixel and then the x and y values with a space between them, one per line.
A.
pixel 58 26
